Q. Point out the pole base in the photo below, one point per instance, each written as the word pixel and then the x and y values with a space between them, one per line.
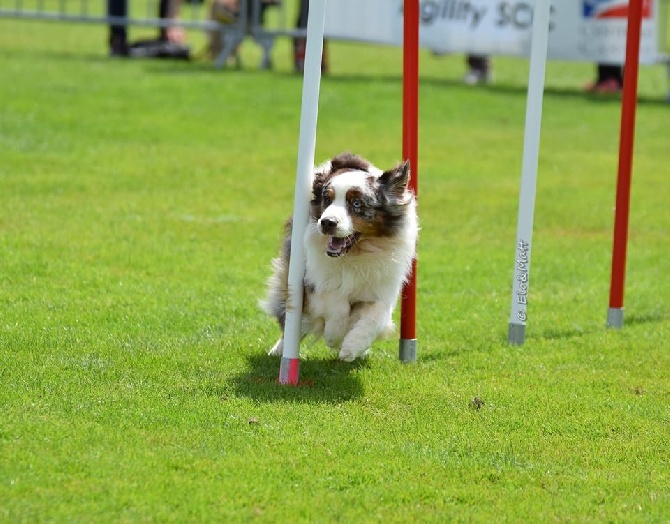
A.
pixel 289 371
pixel 615 317
pixel 407 350
pixel 516 334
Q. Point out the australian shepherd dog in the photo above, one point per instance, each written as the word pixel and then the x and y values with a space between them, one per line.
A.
pixel 359 246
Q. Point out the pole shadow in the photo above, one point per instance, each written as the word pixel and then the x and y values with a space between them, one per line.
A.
pixel 322 381
pixel 649 317
pixel 570 332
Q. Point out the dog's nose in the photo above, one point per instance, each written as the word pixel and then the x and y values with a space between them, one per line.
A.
pixel 328 225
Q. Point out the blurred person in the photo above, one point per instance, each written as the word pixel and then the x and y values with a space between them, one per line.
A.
pixel 227 12
pixel 480 70
pixel 168 44
pixel 609 80
pixel 300 43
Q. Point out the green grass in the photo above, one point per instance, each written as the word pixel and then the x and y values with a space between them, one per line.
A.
pixel 140 205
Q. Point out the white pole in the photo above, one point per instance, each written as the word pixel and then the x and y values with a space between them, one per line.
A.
pixel 288 372
pixel 531 147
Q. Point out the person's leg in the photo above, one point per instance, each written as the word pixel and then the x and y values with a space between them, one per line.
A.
pixel 300 44
pixel 118 36
pixel 479 69
pixel 610 72
pixel 479 62
pixel 163 15
pixel 169 10
pixel 609 79
pixel 169 43
pixel 303 13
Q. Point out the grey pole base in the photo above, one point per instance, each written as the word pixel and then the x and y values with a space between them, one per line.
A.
pixel 615 317
pixel 407 350
pixel 516 334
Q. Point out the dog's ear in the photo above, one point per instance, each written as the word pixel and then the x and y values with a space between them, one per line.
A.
pixel 395 180
pixel 349 161
pixel 317 187
pixel 318 182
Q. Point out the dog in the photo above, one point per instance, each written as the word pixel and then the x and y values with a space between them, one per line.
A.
pixel 359 246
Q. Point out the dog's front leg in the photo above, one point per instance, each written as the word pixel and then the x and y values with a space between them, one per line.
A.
pixel 278 349
pixel 308 324
pixel 373 320
pixel 336 314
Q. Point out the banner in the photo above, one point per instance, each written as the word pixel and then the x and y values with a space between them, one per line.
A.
pixel 580 30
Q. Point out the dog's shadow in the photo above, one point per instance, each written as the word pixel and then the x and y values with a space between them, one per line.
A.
pixel 322 380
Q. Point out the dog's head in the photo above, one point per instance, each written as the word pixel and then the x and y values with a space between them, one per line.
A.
pixel 353 200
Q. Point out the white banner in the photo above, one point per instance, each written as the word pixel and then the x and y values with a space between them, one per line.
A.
pixel 580 30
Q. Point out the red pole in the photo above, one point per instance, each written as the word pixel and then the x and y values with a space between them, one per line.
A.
pixel 410 146
pixel 627 134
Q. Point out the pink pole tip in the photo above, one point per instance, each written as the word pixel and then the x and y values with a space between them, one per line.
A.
pixel 289 371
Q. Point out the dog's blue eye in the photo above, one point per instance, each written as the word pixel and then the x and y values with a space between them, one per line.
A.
pixel 357 204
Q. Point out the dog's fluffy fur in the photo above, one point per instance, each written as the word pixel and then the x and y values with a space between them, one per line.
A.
pixel 359 246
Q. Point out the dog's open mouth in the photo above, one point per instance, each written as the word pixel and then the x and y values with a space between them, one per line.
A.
pixel 338 246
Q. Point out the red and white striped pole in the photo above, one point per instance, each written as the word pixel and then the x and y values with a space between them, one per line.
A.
pixel 410 147
pixel 626 136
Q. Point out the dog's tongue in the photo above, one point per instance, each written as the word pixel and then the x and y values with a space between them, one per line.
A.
pixel 337 246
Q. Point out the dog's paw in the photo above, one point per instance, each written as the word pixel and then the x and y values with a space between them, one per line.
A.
pixel 278 349
pixel 357 342
pixel 333 343
pixel 350 354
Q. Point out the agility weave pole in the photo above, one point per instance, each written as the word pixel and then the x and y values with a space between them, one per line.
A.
pixel 626 138
pixel 410 151
pixel 290 362
pixel 531 148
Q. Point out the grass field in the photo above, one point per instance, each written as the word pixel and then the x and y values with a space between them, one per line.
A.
pixel 140 205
